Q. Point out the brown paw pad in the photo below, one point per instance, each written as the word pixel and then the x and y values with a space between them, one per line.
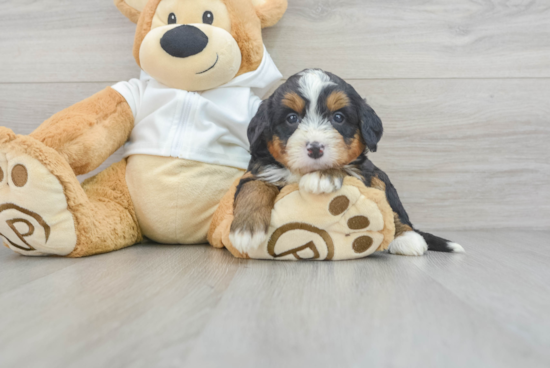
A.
pixel 338 205
pixel 358 223
pixel 362 244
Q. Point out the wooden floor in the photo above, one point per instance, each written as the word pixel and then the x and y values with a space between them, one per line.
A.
pixel 195 306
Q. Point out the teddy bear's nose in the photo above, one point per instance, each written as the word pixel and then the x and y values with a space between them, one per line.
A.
pixel 184 41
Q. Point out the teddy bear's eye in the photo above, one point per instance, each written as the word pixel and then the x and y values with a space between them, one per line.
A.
pixel 172 19
pixel 208 17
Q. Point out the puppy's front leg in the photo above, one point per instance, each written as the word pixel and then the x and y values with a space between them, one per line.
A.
pixel 254 201
pixel 324 181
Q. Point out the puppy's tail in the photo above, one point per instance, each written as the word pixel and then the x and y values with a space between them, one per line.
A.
pixel 437 244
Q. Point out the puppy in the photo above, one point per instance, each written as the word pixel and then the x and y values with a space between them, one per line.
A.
pixel 315 130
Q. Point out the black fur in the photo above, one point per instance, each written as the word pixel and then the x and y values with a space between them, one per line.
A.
pixel 371 126
pixel 257 131
pixel 436 243
pixel 369 170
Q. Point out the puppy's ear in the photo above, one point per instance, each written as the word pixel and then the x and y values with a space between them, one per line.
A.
pixel 371 126
pixel 270 11
pixel 257 127
pixel 131 8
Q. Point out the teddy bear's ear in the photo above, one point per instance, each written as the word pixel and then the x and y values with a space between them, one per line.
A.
pixel 131 8
pixel 270 11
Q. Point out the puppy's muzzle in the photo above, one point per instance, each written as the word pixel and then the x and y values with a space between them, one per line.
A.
pixel 184 41
pixel 315 150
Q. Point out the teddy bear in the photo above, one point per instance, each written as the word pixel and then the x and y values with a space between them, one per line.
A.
pixel 183 124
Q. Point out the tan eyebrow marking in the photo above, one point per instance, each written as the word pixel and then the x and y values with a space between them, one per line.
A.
pixel 295 102
pixel 346 153
pixel 337 100
pixel 278 150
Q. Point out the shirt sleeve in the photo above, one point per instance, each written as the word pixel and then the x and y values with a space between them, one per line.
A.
pixel 254 105
pixel 132 91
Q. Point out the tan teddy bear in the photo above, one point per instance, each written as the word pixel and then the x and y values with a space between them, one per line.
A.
pixel 183 124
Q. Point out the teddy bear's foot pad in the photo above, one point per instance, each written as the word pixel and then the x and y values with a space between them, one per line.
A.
pixel 347 224
pixel 34 217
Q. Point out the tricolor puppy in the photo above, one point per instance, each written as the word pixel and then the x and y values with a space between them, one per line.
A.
pixel 315 130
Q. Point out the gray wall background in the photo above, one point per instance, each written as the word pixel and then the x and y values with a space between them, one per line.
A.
pixel 462 86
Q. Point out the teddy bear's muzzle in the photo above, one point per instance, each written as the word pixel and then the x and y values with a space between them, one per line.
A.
pixel 184 41
pixel 191 57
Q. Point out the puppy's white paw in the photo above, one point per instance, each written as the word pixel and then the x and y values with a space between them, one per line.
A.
pixel 317 183
pixel 245 241
pixel 409 244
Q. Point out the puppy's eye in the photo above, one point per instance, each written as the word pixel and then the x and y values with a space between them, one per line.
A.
pixel 172 19
pixel 338 118
pixel 208 17
pixel 292 119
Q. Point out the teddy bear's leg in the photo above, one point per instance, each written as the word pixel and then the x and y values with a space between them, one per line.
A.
pixel 113 224
pixel 45 211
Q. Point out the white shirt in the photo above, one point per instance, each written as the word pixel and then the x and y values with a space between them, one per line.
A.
pixel 207 126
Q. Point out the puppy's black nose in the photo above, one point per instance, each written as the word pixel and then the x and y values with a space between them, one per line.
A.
pixel 315 150
pixel 184 41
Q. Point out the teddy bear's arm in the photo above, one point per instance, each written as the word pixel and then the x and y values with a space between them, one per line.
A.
pixel 87 133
